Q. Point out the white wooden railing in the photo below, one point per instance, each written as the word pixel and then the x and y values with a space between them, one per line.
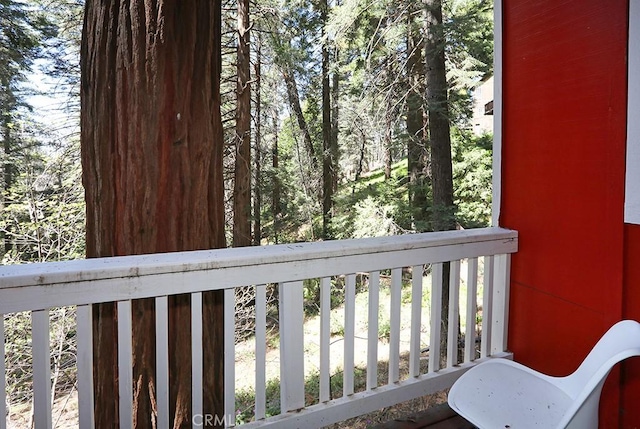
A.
pixel 39 287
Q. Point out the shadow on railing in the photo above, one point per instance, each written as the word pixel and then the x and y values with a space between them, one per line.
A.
pixel 392 314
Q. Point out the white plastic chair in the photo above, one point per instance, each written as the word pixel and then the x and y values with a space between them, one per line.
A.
pixel 499 393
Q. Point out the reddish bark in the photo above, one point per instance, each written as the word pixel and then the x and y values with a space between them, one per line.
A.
pixel 417 153
pixel 151 139
pixel 328 168
pixel 242 177
pixel 439 126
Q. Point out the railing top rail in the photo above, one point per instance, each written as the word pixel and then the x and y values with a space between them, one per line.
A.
pixel 199 260
pixel 32 286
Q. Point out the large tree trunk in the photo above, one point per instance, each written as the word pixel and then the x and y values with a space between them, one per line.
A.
pixel 388 119
pixel 6 176
pixel 257 205
pixel 416 125
pixel 276 206
pixel 438 110
pixel 388 141
pixel 440 141
pixel 335 110
pixel 327 153
pixel 151 140
pixel 242 177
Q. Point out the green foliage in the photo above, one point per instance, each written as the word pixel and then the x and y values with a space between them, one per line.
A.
pixel 373 206
pixel 245 402
pixel 18 352
pixel 384 326
pixel 472 175
pixel 21 32
pixel 298 200
pixel 43 216
pixel 245 399
pixel 373 220
pixel 311 291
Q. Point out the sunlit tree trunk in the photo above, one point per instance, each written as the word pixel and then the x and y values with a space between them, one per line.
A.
pixel 294 102
pixel 416 125
pixel 327 153
pixel 151 140
pixel 6 175
pixel 439 126
pixel 257 217
pixel 242 177
pixel 335 109
pixel 388 118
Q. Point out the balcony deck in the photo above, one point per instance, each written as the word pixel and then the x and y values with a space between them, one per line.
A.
pixel 439 417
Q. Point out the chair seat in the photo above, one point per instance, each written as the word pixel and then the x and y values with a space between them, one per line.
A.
pixel 499 393
pixel 504 394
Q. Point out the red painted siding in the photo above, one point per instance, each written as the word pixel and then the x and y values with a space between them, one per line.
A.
pixel 564 133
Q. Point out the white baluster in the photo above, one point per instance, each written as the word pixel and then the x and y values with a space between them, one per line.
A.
pixel 394 321
pixel 501 289
pixel 291 299
pixel 125 365
pixel 229 357
pixel 454 304
pixel 349 333
pixel 84 317
pixel 416 320
pixel 487 307
pixel 472 309
pixel 261 351
pixel 372 346
pixel 3 391
pixel 162 360
pixel 325 339
pixel 197 365
pixel 436 317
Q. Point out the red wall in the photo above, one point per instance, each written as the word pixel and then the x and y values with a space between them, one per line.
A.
pixel 564 138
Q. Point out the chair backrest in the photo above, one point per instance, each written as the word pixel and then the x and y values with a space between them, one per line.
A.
pixel 620 342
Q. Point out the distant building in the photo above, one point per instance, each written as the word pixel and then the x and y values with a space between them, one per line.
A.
pixel 482 120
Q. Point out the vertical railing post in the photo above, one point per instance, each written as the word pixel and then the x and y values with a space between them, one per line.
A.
pixel 372 330
pixel 395 308
pixel 85 366
pixel 229 357
pixel 436 317
pixel 454 303
pixel 261 351
pixel 125 365
pixel 41 369
pixel 487 307
pixel 325 339
pixel 472 309
pixel 162 360
pixel 416 320
pixel 501 288
pixel 349 334
pixel 197 361
pixel 3 391
pixel 291 300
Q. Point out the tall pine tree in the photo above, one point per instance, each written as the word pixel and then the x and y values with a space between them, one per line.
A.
pixel 151 137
